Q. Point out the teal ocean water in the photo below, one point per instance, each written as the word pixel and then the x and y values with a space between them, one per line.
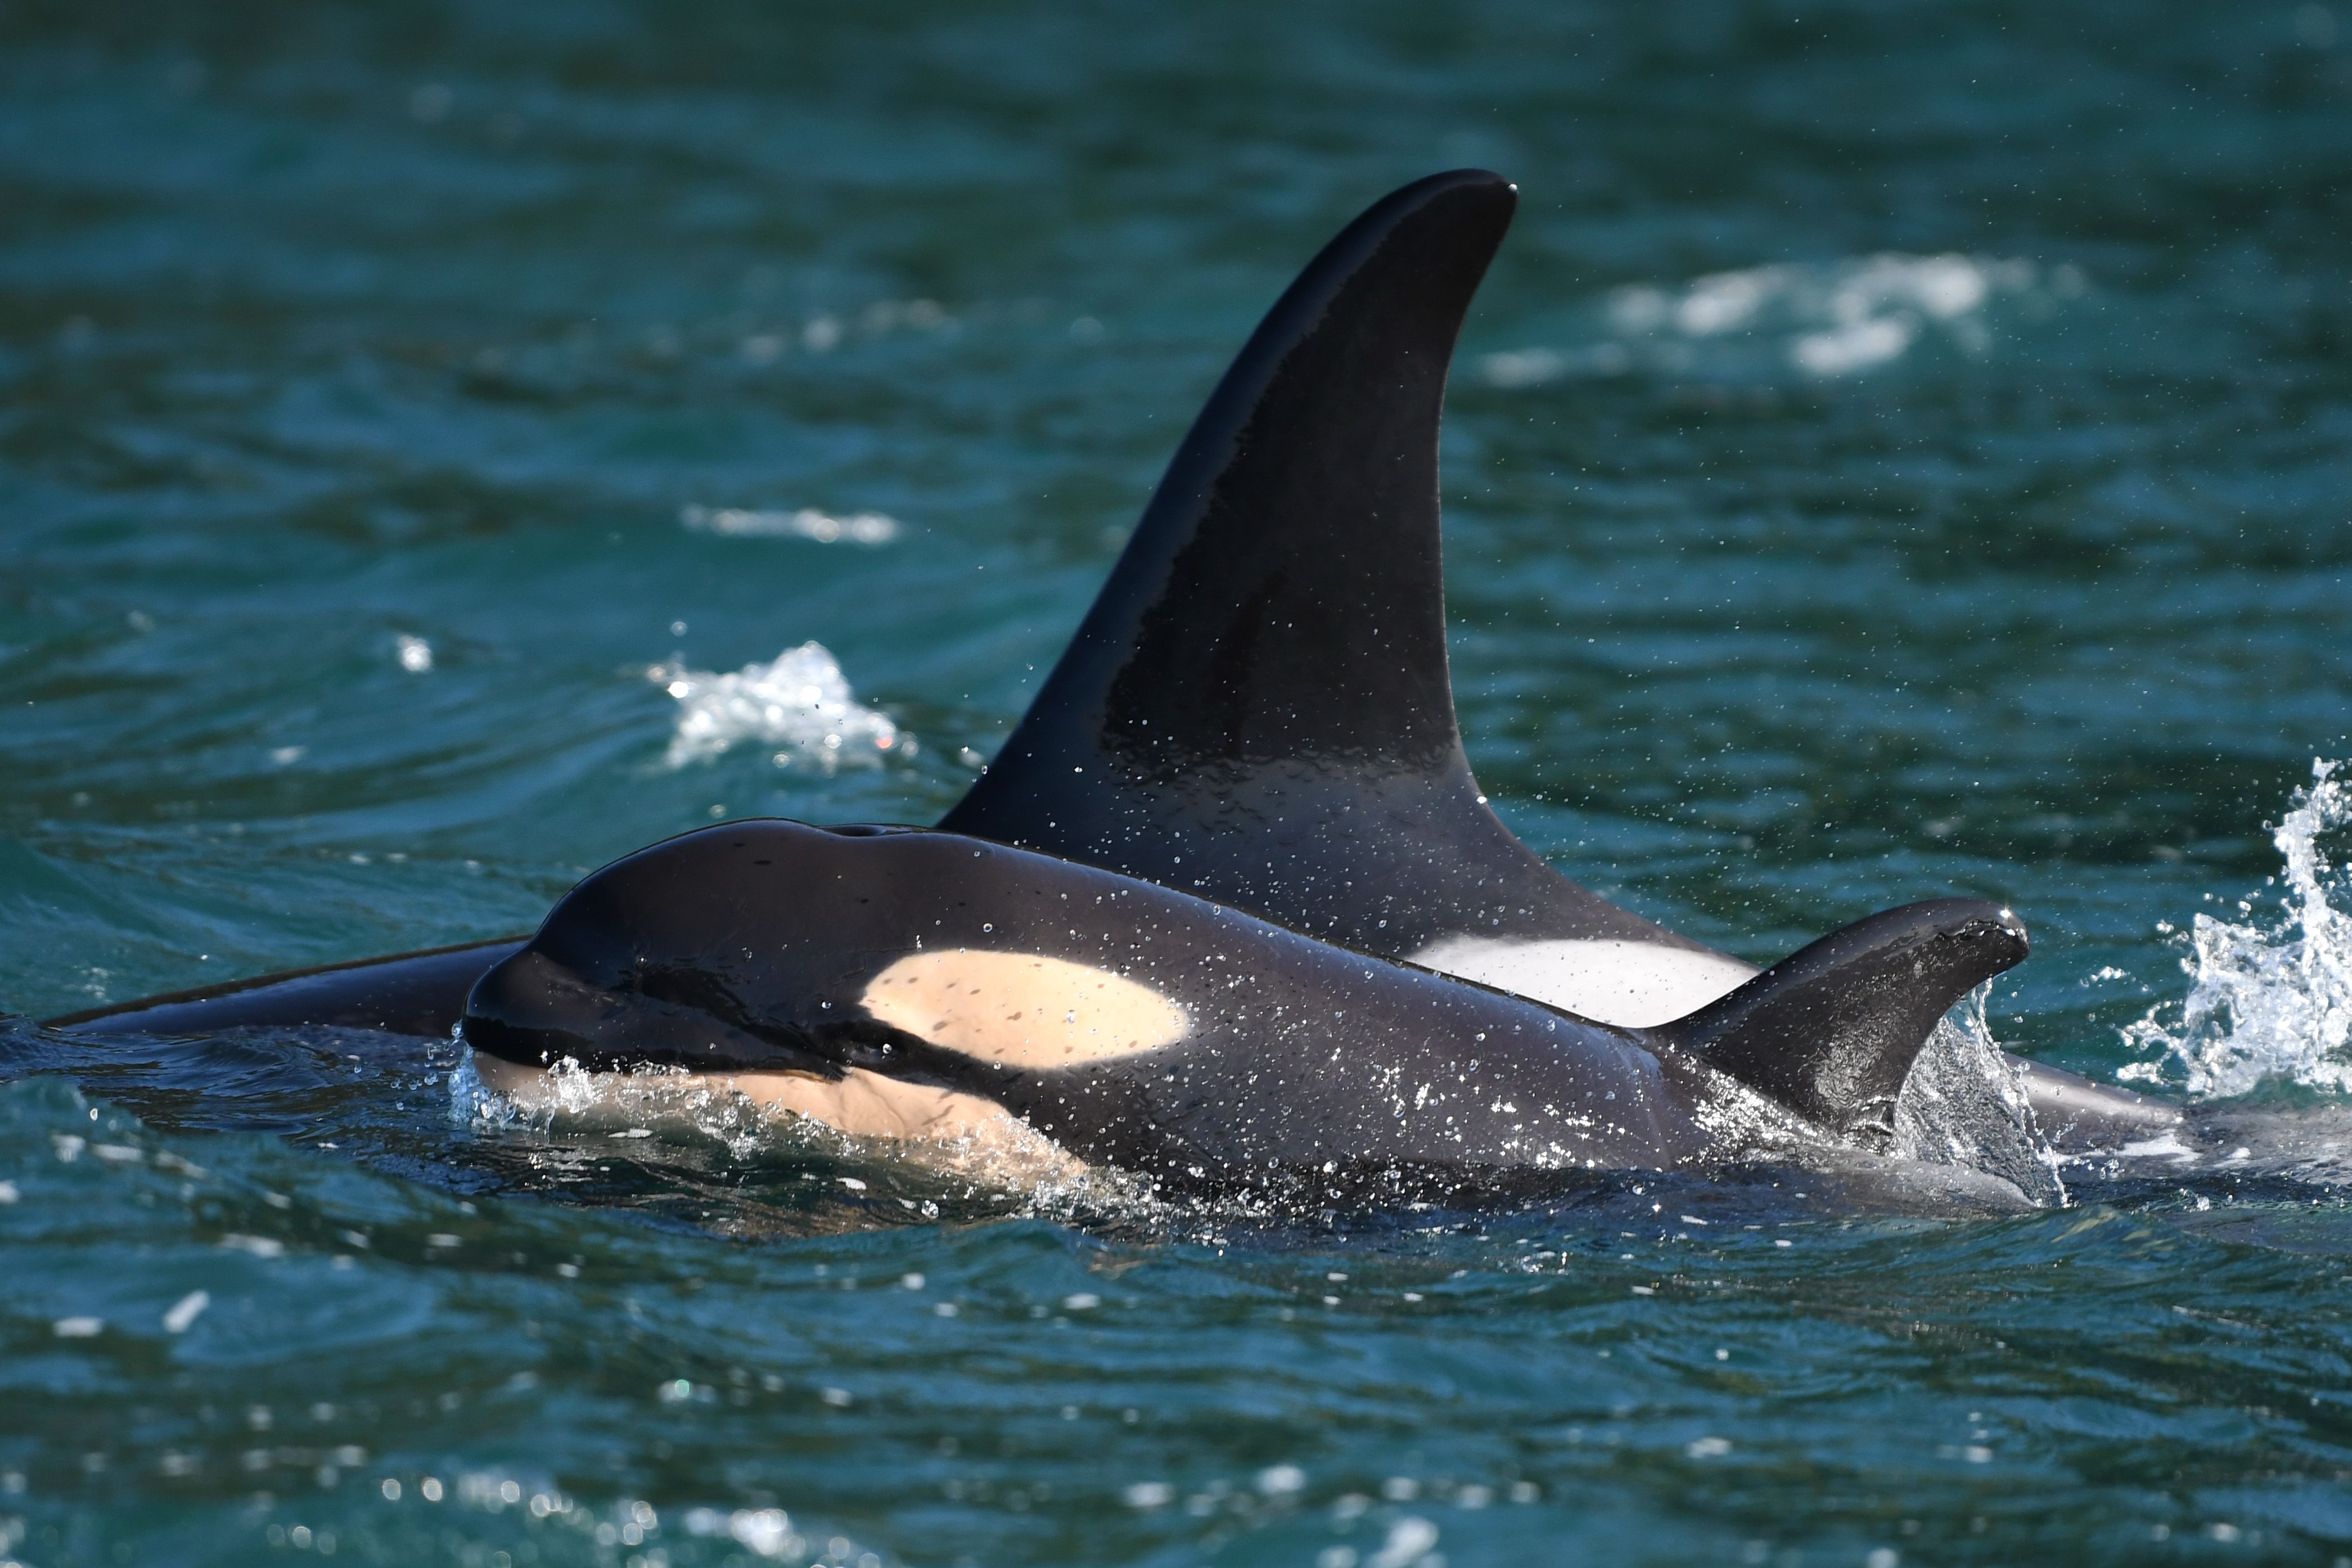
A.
pixel 1901 450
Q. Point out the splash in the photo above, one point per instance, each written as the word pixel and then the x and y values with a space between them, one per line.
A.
pixel 2268 998
pixel 615 1105
pixel 824 528
pixel 1015 1170
pixel 1965 1104
pixel 1822 320
pixel 801 704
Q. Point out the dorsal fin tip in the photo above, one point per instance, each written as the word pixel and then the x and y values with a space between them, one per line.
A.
pixel 1257 707
pixel 1832 1030
pixel 1281 594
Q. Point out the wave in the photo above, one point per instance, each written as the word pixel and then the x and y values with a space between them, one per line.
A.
pixel 800 703
pixel 858 528
pixel 2269 996
pixel 1823 321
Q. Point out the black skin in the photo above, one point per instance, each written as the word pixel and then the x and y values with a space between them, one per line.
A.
pixel 1258 708
pixel 420 993
pixel 748 948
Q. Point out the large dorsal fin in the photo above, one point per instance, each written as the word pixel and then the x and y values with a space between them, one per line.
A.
pixel 1258 708
pixel 1832 1030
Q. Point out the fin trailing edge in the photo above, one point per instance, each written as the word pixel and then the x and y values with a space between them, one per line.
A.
pixel 1280 595
pixel 1258 709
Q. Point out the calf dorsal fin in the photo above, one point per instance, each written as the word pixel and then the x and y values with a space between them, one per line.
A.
pixel 1830 1031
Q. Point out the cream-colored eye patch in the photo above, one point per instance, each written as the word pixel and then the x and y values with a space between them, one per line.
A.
pixel 1023 1009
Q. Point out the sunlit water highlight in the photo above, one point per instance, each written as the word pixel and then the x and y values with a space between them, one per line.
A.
pixel 860 527
pixel 1833 320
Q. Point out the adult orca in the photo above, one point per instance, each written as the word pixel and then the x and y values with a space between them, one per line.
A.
pixel 1257 709
pixel 916 983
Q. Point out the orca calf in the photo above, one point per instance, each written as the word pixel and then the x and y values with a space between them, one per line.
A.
pixel 1257 709
pixel 918 984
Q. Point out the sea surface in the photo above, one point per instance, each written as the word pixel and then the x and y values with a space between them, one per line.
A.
pixel 1901 450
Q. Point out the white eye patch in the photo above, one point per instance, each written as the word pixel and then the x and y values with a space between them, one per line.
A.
pixel 1023 1009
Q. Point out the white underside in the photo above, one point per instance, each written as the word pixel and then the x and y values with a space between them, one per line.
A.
pixel 937 1126
pixel 1634 984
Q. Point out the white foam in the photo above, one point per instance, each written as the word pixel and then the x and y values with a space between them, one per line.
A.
pixel 1856 346
pixel 807 522
pixel 568 1102
pixel 2269 997
pixel 1533 367
pixel 1823 321
pixel 2168 1147
pixel 801 703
